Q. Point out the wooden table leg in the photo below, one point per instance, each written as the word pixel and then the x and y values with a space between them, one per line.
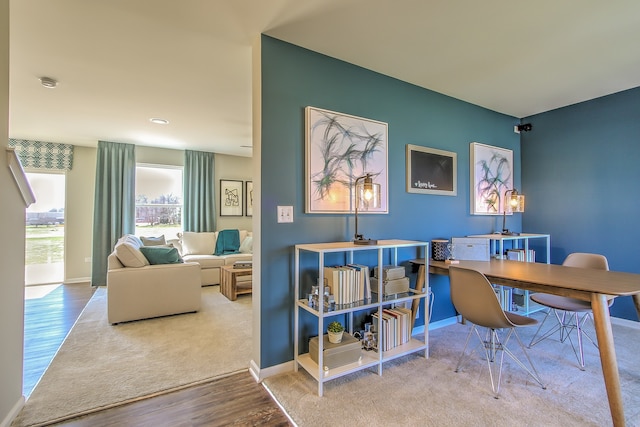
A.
pixel 602 321
pixel 419 287
pixel 636 302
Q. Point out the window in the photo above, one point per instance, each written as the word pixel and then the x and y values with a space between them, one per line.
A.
pixel 44 233
pixel 158 201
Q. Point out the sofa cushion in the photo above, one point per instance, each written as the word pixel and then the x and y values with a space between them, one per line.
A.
pixel 127 251
pixel 153 241
pixel 246 247
pixel 231 259
pixel 161 255
pixel 206 261
pixel 194 243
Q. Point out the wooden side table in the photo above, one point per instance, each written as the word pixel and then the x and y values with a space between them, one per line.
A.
pixel 230 286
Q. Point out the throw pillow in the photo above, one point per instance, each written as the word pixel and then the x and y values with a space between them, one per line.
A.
pixel 128 252
pixel 161 255
pixel 194 243
pixel 153 241
pixel 246 247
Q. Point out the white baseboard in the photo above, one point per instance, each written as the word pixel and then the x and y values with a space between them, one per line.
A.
pixel 260 374
pixel 13 413
pixel 436 325
pixel 77 280
pixel 625 322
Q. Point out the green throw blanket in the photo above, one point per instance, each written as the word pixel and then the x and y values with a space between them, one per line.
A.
pixel 228 242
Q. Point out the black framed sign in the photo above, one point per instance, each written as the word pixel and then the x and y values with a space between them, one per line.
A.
pixel 431 171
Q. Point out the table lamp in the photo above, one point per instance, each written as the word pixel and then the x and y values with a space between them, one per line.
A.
pixel 367 196
pixel 515 203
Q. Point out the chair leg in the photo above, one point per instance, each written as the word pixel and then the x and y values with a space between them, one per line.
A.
pixel 550 332
pixel 567 323
pixel 492 345
pixel 466 343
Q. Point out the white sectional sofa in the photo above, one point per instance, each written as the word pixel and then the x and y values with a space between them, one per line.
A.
pixel 200 248
pixel 138 289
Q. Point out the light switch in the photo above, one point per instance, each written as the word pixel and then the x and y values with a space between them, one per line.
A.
pixel 285 213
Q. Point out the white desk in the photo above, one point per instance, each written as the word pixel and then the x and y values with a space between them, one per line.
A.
pixel 498 239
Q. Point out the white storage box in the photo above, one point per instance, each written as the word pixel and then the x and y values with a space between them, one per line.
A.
pixel 470 248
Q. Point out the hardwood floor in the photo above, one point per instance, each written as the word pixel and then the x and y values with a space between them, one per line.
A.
pixel 234 400
pixel 49 314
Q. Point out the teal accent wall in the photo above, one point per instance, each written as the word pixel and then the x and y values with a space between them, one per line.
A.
pixel 580 173
pixel 293 78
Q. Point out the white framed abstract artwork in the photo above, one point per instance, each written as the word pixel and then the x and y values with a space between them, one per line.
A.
pixel 491 171
pixel 340 148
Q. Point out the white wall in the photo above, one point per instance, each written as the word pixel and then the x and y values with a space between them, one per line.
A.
pixel 12 223
pixel 238 169
pixel 80 185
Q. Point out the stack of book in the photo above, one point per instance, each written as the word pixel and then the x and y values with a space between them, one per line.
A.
pixel 243 264
pixel 521 255
pixel 395 326
pixel 393 280
pixel 349 283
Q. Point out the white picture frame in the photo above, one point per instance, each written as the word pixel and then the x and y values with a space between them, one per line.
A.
pixel 340 148
pixel 431 171
pixel 491 172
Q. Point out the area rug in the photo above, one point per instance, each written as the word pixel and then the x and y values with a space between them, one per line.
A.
pixel 100 365
pixel 414 391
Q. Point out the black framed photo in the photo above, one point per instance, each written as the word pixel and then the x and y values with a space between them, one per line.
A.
pixel 431 171
pixel 248 195
pixel 231 197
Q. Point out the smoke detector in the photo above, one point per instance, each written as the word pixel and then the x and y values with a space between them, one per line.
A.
pixel 48 82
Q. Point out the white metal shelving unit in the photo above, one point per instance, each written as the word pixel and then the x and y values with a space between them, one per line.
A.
pixel 384 248
pixel 497 241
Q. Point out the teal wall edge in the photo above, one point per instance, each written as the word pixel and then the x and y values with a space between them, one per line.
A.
pixel 293 78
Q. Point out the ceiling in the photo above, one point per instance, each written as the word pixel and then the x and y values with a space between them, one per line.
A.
pixel 121 62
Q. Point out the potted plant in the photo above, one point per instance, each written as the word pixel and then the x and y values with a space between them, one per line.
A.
pixel 335 330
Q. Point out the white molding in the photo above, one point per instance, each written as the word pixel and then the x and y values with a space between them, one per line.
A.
pixel 436 325
pixel 260 374
pixel 625 322
pixel 77 280
pixel 20 177
pixel 13 413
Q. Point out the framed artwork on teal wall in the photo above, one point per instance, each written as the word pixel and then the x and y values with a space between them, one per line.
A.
pixel 431 171
pixel 341 148
pixel 491 171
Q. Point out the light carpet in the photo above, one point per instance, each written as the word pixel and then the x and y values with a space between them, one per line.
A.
pixel 100 365
pixel 414 391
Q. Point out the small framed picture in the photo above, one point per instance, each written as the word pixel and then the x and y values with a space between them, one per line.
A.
pixel 248 201
pixel 230 197
pixel 431 171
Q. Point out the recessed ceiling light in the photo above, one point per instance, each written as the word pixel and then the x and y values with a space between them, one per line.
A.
pixel 48 82
pixel 159 121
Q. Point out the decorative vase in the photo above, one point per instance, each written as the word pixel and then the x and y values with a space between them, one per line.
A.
pixel 335 337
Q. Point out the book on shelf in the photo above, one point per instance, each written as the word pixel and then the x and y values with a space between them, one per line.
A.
pixel 348 283
pixel 395 326
pixel 521 255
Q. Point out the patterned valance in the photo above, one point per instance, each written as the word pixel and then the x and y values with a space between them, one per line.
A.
pixel 43 155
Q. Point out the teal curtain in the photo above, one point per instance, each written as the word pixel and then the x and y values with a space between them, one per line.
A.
pixel 199 191
pixel 114 205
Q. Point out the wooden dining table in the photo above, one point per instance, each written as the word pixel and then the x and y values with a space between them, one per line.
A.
pixel 596 286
